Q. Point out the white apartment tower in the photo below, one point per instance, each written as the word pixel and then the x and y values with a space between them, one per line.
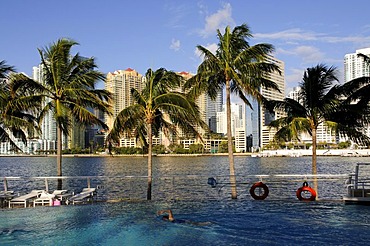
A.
pixel 258 118
pixel 238 125
pixel 264 118
pixel 48 136
pixel 294 94
pixel 119 83
pixel 355 66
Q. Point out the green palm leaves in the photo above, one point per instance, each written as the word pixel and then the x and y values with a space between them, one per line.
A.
pixel 18 105
pixel 69 82
pixel 318 98
pixel 159 107
pixel 343 108
pixel 68 87
pixel 5 70
pixel 240 69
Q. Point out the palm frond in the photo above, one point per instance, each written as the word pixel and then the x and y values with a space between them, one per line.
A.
pixel 5 69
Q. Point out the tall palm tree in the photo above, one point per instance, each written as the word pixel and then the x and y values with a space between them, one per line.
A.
pixel 319 99
pixel 240 68
pixel 18 107
pixel 69 90
pixel 158 107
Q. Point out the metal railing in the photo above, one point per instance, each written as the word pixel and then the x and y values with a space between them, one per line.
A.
pixel 178 186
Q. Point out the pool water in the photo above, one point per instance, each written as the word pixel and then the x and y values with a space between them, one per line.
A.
pixel 181 185
pixel 233 222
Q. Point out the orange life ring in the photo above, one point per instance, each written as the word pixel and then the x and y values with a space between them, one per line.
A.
pixel 259 196
pixel 306 189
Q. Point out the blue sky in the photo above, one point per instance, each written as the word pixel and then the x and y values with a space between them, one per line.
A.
pixel 153 34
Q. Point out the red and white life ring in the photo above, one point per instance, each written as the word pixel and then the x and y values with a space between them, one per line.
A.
pixel 260 196
pixel 305 189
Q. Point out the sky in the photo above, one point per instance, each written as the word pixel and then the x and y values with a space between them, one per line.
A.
pixel 152 34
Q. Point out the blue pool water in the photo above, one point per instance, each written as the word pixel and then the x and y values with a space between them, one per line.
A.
pixel 232 223
pixel 181 185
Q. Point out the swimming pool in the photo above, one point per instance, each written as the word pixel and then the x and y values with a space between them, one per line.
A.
pixel 233 222
pixel 279 220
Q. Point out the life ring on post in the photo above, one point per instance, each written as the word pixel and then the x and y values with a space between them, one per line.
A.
pixel 305 189
pixel 260 196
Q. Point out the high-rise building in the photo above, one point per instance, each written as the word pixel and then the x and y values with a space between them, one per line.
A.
pixel 238 125
pixel 355 66
pixel 119 83
pixel 208 107
pixel 201 102
pixel 260 117
pixel 94 134
pixel 213 106
pixel 294 94
pixel 48 136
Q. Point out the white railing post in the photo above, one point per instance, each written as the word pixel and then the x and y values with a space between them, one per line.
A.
pixel 46 185
pixel 5 185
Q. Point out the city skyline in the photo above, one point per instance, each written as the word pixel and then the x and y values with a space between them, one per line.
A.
pixel 143 35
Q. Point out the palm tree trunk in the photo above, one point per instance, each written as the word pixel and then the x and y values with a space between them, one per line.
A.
pixel 230 142
pixel 314 162
pixel 59 156
pixel 150 162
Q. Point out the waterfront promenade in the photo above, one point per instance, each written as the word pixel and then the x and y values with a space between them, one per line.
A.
pixel 264 153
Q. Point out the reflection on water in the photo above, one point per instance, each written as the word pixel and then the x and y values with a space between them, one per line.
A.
pixel 178 178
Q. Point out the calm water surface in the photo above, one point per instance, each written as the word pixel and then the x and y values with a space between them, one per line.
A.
pixel 180 183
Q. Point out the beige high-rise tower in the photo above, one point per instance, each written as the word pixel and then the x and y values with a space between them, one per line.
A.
pixel 201 102
pixel 119 83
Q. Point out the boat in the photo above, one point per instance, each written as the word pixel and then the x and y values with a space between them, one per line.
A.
pixel 358 185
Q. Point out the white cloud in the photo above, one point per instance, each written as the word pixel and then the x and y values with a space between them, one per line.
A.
pixel 290 34
pixel 297 34
pixel 309 54
pixel 175 45
pixel 211 47
pixel 177 14
pixel 295 76
pixel 218 20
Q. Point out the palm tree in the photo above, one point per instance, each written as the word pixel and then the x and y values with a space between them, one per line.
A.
pixel 18 105
pixel 343 108
pixel 158 107
pixel 319 99
pixel 354 111
pixel 68 88
pixel 240 68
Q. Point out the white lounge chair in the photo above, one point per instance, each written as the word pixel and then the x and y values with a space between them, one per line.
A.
pixel 44 198
pixel 5 196
pixel 59 192
pixel 87 194
pixel 25 199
